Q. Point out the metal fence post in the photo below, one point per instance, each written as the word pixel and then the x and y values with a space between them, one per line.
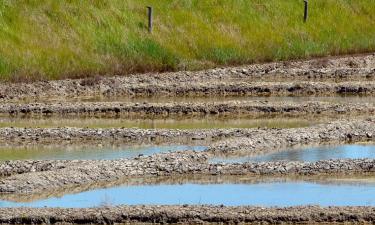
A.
pixel 306 10
pixel 150 12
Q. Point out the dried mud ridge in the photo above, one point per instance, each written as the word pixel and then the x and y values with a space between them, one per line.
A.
pixel 259 138
pixel 245 108
pixel 90 172
pixel 297 78
pixel 189 214
pixel 265 141
pixel 328 77
pixel 36 176
pixel 117 135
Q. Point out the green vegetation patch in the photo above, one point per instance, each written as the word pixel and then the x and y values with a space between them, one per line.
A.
pixel 49 39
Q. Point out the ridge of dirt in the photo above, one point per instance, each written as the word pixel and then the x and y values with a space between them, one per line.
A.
pixel 346 75
pixel 192 214
pixel 228 108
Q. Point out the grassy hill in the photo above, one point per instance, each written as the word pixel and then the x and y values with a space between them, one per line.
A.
pixel 53 39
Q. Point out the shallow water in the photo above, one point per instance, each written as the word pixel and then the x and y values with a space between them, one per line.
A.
pixel 311 154
pixel 272 193
pixel 184 123
pixel 87 152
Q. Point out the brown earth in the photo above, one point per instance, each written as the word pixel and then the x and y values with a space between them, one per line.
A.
pixel 190 214
pixel 329 76
pixel 35 176
pixel 230 108
pixel 319 77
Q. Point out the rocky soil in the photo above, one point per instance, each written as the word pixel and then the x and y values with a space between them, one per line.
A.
pixel 127 135
pixel 351 74
pixel 34 179
pixel 171 164
pixel 229 108
pixel 36 176
pixel 199 88
pixel 192 214
pixel 277 139
pixel 339 131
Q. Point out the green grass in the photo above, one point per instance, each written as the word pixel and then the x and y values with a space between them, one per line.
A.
pixel 55 39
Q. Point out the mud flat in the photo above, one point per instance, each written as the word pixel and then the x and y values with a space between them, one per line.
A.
pixel 57 175
pixel 40 175
pixel 277 139
pixel 189 214
pixel 233 140
pixel 219 141
pixel 72 135
pixel 237 108
pixel 320 77
pixel 307 77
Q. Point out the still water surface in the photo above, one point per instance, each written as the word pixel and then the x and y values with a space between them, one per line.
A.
pixel 208 122
pixel 39 152
pixel 279 193
pixel 311 154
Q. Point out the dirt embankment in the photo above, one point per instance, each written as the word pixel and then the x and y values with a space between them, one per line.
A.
pixel 190 215
pixel 354 75
pixel 118 135
pixel 276 139
pixel 340 130
pixel 90 172
pixel 230 108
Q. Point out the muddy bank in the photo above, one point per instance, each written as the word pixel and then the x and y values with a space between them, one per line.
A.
pixel 340 130
pixel 191 214
pixel 200 88
pixel 115 135
pixel 250 109
pixel 278 139
pixel 9 168
pixel 234 81
pixel 88 172
pixel 35 176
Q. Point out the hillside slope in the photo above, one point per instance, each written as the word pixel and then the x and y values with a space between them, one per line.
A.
pixel 49 39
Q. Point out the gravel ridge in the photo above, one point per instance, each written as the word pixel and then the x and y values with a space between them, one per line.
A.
pixel 246 108
pixel 193 214
pixel 304 77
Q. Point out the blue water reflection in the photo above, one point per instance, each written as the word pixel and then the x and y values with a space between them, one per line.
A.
pixel 288 193
pixel 311 154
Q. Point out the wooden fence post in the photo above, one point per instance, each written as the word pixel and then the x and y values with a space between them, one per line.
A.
pixel 150 12
pixel 306 10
